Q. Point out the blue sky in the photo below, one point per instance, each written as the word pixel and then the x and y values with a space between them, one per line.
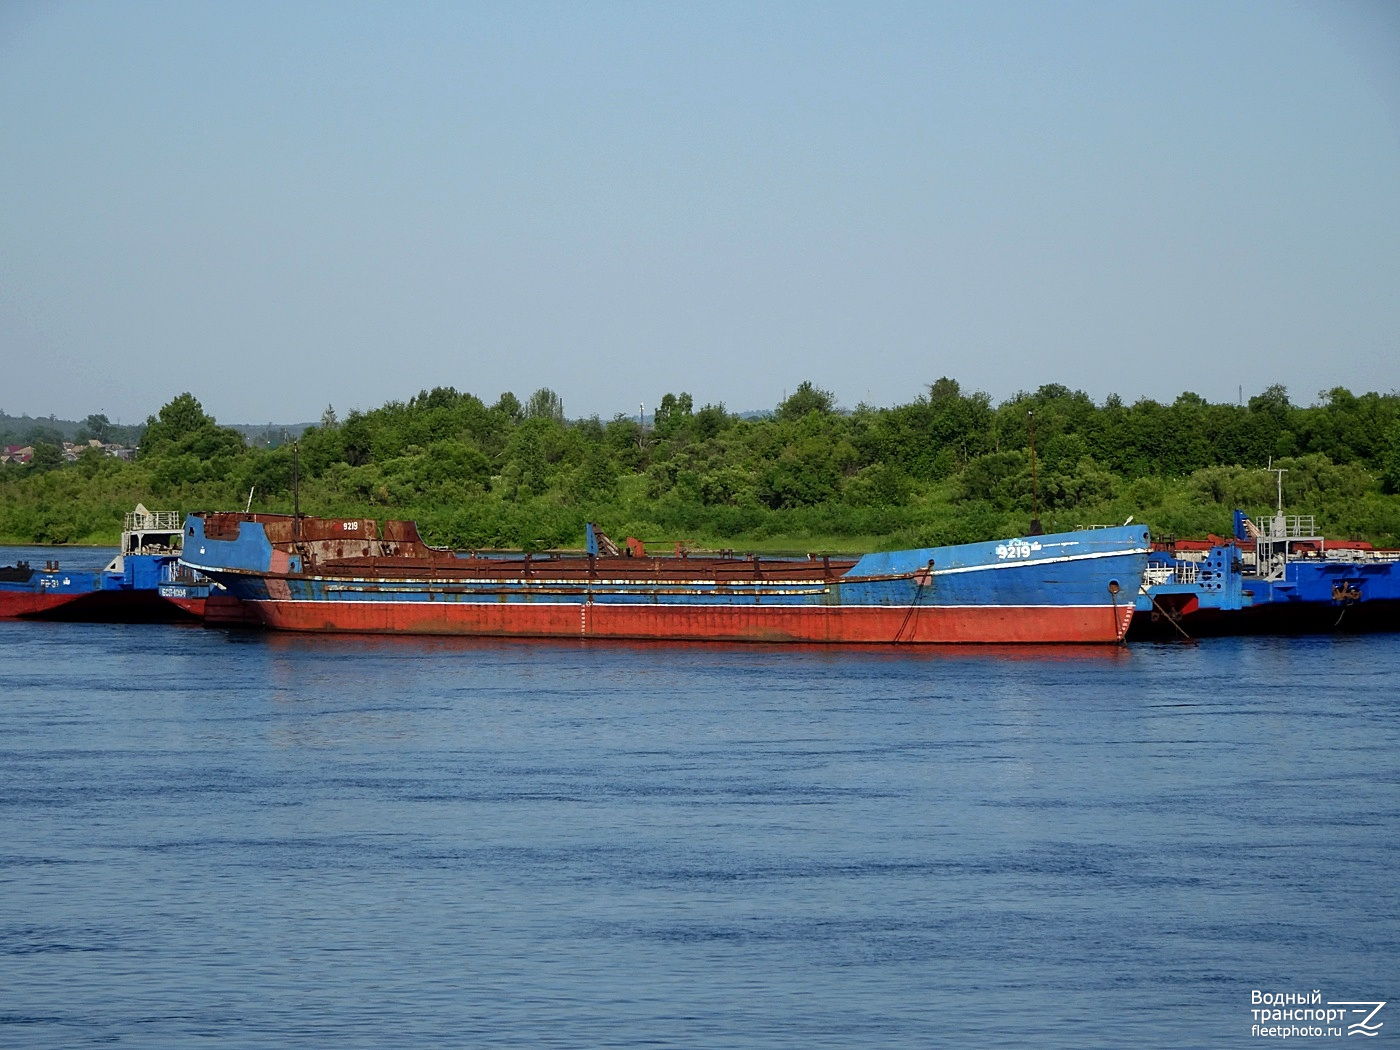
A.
pixel 279 206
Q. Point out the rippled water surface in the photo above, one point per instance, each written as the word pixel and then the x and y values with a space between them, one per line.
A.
pixel 71 558
pixel 257 840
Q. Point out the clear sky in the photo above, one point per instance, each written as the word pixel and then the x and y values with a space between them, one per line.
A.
pixel 279 206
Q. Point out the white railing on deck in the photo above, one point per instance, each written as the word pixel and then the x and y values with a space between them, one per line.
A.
pixel 162 521
pixel 1351 554
pixel 1182 572
pixel 1287 527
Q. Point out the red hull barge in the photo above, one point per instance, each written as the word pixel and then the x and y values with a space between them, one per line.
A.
pixel 839 625
pixel 99 606
pixel 313 574
pixel 32 604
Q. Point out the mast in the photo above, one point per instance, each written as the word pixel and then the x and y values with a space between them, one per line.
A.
pixel 1279 521
pixel 296 490
pixel 1036 530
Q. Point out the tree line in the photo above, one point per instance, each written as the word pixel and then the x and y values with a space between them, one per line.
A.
pixel 52 431
pixel 949 466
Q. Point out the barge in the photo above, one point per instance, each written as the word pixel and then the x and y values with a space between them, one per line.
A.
pixel 144 582
pixel 1276 576
pixel 301 573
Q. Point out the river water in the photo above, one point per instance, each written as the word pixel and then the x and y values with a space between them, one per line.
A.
pixel 232 838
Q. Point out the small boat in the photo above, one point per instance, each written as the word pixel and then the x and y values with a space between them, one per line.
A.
pixel 1276 576
pixel 304 573
pixel 145 582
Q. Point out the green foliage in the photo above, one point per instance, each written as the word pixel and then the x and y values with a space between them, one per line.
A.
pixel 672 414
pixel 183 446
pixel 544 403
pixel 877 485
pixel 93 461
pixel 47 456
pixel 268 472
pixel 947 467
pixel 182 418
pixel 508 407
pixel 44 435
pixel 710 421
pixel 1231 486
pixel 931 439
pixel 996 478
pixel 1390 460
pixel 96 426
pixel 804 400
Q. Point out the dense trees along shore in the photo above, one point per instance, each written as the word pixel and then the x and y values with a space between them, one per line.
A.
pixel 947 467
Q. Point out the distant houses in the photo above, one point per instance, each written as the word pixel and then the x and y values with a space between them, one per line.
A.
pixel 72 451
pixel 22 454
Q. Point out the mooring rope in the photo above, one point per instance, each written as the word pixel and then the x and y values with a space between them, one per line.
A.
pixel 919 587
pixel 1168 616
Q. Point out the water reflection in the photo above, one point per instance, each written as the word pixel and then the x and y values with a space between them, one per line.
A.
pixel 69 558
pixel 294 641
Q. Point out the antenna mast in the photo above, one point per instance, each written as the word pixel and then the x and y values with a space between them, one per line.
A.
pixel 1280 471
pixel 1036 530
pixel 296 491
